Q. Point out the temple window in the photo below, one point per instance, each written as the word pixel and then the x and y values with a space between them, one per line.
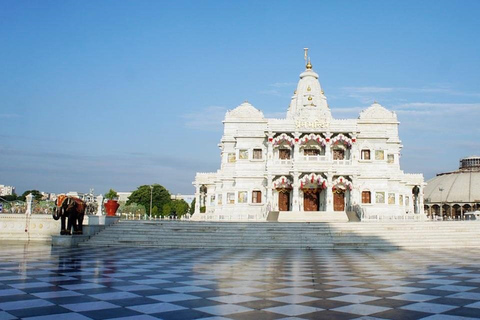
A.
pixel 243 154
pixel 257 154
pixel 219 197
pixel 284 154
pixel 311 152
pixel 390 158
pixel 407 201
pixel 379 155
pixel 400 200
pixel 231 198
pixel 365 154
pixel 231 158
pixel 338 154
pixel 366 197
pixel 212 200
pixel 256 196
pixel 391 198
pixel 379 197
pixel 242 197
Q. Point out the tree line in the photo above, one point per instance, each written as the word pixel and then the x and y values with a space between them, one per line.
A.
pixel 138 202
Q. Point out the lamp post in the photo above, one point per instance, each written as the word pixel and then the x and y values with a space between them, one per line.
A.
pixel 151 198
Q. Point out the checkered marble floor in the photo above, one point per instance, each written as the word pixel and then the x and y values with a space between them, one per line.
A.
pixel 40 282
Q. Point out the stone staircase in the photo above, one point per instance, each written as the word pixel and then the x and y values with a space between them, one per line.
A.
pixel 265 235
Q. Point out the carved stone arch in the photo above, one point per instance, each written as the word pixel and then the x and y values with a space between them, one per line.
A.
pixel 312 180
pixel 342 183
pixel 341 139
pixel 312 137
pixel 284 140
pixel 282 182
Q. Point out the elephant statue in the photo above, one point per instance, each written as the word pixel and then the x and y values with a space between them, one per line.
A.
pixel 73 209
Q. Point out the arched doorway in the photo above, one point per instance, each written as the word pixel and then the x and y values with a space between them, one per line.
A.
pixel 338 199
pixel 283 199
pixel 314 196
pixel 311 199
pixel 283 186
pixel 341 191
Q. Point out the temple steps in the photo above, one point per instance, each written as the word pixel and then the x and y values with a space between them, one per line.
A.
pixel 381 235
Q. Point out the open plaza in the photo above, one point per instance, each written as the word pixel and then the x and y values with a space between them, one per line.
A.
pixel 42 282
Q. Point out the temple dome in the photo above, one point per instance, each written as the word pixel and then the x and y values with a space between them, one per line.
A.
pixel 461 186
pixel 245 111
pixel 377 111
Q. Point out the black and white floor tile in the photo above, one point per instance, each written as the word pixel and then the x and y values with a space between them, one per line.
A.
pixel 41 283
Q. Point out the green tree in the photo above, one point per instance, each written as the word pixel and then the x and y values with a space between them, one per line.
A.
pixel 36 195
pixel 160 197
pixel 132 208
pixel 166 210
pixel 155 211
pixel 179 207
pixel 111 194
pixel 12 197
pixel 192 206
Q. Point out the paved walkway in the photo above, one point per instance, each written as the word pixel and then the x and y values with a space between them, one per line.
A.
pixel 38 282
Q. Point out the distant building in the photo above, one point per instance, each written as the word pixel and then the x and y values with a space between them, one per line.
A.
pixel 188 198
pixel 6 190
pixel 123 196
pixel 87 197
pixel 451 194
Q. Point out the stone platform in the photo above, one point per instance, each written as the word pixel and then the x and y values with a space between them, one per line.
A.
pixel 276 235
pixel 312 216
pixel 94 225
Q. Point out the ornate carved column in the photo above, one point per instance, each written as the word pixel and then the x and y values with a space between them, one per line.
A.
pixel 420 201
pixel 269 192
pixel 329 192
pixel 354 152
pixel 328 150
pixel 296 187
pixel 296 147
pixel 270 147
pixel 197 198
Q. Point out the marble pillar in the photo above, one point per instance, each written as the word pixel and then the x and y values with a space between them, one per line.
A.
pixel 329 192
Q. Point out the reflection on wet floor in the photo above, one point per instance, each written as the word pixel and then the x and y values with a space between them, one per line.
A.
pixel 40 282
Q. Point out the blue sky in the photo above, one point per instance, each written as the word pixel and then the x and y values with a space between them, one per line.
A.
pixel 116 94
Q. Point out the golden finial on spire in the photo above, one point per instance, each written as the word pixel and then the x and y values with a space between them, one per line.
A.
pixel 309 64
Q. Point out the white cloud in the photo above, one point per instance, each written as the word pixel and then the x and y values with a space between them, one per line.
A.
pixel 283 84
pixel 8 115
pixel 437 108
pixel 271 92
pixel 209 118
pixel 349 110
pixel 368 89
pixel 354 91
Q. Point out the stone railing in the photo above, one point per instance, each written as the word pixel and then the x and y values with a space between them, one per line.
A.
pixel 313 158
pixel 232 217
pixel 139 216
pixel 387 217
pixel 36 227
pixel 283 161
